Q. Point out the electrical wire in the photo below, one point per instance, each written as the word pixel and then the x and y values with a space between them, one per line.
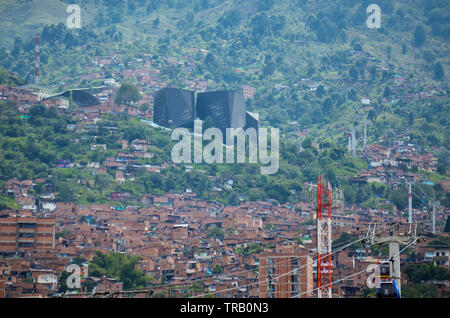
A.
pixel 147 290
pixel 285 274
pixel 250 271
pixel 144 290
pixel 431 199
pixel 342 279
pixel 219 276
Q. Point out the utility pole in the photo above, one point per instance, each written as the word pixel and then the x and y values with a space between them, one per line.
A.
pixel 365 134
pixel 434 219
pixel 349 146
pixel 435 204
pixel 37 51
pixel 409 203
pixel 354 142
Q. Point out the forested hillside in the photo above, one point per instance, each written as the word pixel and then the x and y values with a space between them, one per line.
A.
pixel 312 64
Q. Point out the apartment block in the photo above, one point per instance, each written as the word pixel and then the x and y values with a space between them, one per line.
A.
pixel 285 275
pixel 2 288
pixel 20 234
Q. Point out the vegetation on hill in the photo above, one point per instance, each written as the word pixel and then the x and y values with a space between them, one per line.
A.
pixel 421 278
pixel 119 266
pixel 9 79
pixel 311 63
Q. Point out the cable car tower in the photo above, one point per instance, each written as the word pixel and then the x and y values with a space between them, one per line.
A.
pixel 389 284
pixel 324 202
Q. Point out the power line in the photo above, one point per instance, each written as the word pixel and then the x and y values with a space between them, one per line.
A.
pixel 431 199
pixel 193 280
pixel 277 277
pixel 217 276
pixel 247 271
pixel 285 274
pixel 335 282
pixel 342 279
pixel 419 198
pixel 146 290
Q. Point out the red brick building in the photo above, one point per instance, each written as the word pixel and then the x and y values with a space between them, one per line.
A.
pixel 287 274
pixel 2 288
pixel 109 285
pixel 19 234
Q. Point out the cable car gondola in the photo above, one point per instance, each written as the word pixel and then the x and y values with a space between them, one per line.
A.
pixel 387 287
pixel 388 290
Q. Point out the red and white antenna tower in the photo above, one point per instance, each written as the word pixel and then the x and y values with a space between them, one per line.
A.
pixel 37 39
pixel 324 202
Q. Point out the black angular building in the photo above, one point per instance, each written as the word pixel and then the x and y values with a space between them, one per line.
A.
pixel 81 97
pixel 251 120
pixel 174 107
pixel 226 109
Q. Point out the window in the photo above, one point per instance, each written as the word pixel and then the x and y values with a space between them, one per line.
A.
pixel 26 235
pixel 27 225
pixel 22 244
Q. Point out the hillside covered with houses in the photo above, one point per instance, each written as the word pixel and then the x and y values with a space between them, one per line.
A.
pixel 87 178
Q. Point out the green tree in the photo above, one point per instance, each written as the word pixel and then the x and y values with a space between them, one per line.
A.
pixel 419 273
pixel 423 290
pixel 327 105
pixel 439 72
pixel 119 266
pixel 78 260
pixel 353 72
pixel 249 249
pixel 102 181
pixel 268 69
pixel 210 59
pixel 217 269
pixel 127 94
pixel 307 143
pixel 215 232
pixel 411 118
pixel 419 36
pixel 320 91
pixel 399 198
pixel 349 194
pixel 279 191
pixel 65 192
